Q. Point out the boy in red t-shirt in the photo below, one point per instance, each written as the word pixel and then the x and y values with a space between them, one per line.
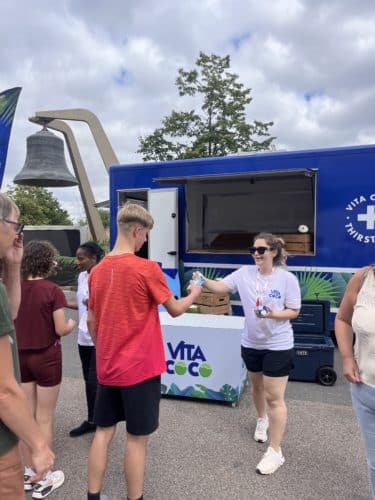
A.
pixel 124 294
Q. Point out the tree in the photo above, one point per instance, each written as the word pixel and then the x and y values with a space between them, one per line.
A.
pixel 219 129
pixel 38 207
pixel 104 215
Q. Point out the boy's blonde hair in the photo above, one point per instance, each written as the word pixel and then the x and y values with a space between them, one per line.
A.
pixel 132 214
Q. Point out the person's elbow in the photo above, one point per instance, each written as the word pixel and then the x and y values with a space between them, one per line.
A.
pixel 294 313
pixel 175 307
pixel 8 390
pixel 62 326
pixel 174 312
pixel 61 330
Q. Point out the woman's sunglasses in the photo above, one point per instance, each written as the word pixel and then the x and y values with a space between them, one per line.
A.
pixel 260 250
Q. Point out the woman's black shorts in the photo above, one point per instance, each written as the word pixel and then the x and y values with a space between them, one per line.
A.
pixel 137 404
pixel 271 363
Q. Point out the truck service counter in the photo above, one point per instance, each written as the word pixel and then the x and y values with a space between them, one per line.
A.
pixel 203 354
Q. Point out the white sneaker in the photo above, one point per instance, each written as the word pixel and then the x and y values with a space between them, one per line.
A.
pixel 50 483
pixel 270 462
pixel 27 484
pixel 260 434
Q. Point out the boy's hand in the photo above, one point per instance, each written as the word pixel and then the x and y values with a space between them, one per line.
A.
pixel 194 290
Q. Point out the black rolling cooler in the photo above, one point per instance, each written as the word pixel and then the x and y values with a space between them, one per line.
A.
pixel 313 346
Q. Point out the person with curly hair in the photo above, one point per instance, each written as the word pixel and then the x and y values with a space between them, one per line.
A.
pixel 271 297
pixel 87 256
pixel 40 324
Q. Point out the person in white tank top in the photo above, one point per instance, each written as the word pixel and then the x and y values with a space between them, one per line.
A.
pixel 356 315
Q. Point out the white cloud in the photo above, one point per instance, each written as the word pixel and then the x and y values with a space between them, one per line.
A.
pixel 310 66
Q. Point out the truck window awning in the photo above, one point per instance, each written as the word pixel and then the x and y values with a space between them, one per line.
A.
pixel 238 176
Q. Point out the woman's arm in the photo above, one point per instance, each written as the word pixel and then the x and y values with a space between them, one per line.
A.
pixel 285 314
pixel 62 325
pixel 15 412
pixel 91 325
pixel 343 327
pixel 215 286
pixel 72 305
pixel 176 307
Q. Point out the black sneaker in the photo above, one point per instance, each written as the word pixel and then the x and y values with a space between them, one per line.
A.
pixel 84 428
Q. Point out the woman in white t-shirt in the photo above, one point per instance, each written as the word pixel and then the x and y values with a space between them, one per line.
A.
pixel 270 297
pixel 87 256
pixel 357 314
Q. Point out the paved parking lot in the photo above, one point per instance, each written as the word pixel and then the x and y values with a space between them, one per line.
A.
pixel 205 450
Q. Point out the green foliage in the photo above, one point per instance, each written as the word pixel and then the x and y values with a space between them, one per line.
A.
pixel 66 271
pixel 38 207
pixel 316 285
pixel 219 129
pixel 104 215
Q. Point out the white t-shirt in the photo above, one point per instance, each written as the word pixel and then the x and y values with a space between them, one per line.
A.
pixel 84 338
pixel 363 323
pixel 279 290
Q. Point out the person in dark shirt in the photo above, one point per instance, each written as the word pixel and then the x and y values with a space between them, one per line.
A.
pixel 40 324
pixel 16 420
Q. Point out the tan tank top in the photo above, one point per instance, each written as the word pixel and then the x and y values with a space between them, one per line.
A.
pixel 363 323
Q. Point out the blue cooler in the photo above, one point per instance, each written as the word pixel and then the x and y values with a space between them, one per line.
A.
pixel 313 346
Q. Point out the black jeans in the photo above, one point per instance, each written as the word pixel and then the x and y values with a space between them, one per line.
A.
pixel 88 361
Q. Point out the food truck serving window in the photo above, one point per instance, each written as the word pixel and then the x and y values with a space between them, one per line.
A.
pixel 225 212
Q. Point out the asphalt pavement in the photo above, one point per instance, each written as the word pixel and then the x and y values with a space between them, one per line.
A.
pixel 204 450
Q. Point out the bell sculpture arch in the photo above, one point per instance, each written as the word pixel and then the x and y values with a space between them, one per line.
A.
pixel 45 163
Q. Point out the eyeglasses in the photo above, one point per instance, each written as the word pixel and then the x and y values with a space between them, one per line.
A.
pixel 260 250
pixel 18 227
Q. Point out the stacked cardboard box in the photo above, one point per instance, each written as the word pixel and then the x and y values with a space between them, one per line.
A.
pixel 213 303
pixel 297 243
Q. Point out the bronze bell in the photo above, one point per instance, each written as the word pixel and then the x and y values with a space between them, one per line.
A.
pixel 45 163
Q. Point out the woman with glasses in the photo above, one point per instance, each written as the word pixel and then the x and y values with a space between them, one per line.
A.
pixel 16 420
pixel 40 324
pixel 270 297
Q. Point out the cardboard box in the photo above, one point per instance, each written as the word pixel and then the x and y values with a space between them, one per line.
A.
pixel 214 309
pixel 212 299
pixel 297 242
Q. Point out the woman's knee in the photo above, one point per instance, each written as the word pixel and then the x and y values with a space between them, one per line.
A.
pixel 274 400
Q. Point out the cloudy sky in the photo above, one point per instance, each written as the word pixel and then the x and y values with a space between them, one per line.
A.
pixel 310 65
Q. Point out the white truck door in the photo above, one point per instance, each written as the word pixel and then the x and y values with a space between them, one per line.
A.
pixel 163 238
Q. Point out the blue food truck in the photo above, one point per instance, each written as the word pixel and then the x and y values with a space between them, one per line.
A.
pixel 207 211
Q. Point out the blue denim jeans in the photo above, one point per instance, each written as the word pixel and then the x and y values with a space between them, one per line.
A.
pixel 363 397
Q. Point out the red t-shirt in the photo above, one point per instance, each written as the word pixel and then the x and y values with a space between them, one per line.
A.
pixel 124 293
pixel 35 327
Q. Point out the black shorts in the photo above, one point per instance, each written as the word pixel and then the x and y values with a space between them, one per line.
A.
pixel 270 363
pixel 137 404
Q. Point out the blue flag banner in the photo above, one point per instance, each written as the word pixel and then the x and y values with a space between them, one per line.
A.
pixel 8 103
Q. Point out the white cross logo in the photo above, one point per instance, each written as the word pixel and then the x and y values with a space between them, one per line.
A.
pixel 368 217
